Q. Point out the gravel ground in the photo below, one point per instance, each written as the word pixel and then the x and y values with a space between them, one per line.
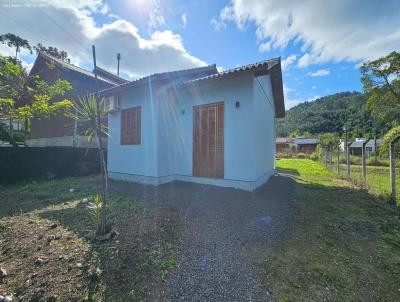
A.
pixel 224 237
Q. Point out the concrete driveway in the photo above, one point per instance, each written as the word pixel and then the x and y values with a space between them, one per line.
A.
pixel 224 236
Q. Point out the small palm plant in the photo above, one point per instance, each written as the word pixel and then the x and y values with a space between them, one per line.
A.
pixel 95 208
pixel 88 111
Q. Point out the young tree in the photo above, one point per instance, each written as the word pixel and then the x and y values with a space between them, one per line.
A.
pixel 381 80
pixel 15 41
pixel 294 133
pixel 24 98
pixel 307 134
pixel 52 51
pixel 328 140
pixel 88 111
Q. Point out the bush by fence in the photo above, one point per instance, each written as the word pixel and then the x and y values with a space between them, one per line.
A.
pixel 23 163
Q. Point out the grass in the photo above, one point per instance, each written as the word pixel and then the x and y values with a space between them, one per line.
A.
pixel 378 174
pixel 345 246
pixel 73 266
pixel 377 181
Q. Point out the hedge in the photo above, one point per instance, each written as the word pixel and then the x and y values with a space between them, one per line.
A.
pixel 31 163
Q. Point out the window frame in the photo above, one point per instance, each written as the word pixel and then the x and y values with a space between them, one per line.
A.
pixel 134 128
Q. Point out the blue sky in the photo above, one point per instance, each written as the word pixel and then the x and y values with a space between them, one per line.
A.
pixel 321 43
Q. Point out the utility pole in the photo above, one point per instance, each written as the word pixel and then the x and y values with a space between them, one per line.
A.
pixel 348 158
pixel 346 150
pixel 345 141
pixel 364 166
pixel 393 170
pixel 338 159
pixel 118 59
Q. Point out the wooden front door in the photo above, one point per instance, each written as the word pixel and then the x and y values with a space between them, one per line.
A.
pixel 208 140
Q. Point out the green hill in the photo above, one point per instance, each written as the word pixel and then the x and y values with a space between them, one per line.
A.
pixel 329 114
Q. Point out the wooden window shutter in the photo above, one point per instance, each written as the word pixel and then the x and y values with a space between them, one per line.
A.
pixel 131 126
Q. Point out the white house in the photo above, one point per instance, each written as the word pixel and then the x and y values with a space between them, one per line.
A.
pixel 197 125
pixel 355 147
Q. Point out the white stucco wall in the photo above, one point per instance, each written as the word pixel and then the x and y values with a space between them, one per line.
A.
pixel 176 128
pixel 167 133
pixel 264 126
pixel 134 159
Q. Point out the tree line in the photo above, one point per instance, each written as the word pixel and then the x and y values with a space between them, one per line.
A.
pixel 373 113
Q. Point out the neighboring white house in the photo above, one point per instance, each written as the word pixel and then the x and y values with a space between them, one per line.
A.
pixel 196 125
pixel 355 147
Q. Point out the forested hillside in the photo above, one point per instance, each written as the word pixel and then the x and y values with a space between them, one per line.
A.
pixel 329 114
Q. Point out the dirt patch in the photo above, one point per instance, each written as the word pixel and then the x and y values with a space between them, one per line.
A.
pixel 44 261
pixel 50 255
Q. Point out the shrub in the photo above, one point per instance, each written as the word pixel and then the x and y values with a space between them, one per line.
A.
pixel 19 137
pixel 95 209
pixel 301 155
pixel 354 160
pixel 314 156
pixel 374 161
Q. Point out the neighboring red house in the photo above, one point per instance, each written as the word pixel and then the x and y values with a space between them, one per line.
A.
pixel 296 145
pixel 283 144
pixel 305 145
pixel 58 130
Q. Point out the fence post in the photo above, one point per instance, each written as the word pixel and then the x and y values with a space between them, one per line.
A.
pixel 326 156
pixel 338 159
pixel 392 171
pixel 348 158
pixel 364 167
pixel 330 157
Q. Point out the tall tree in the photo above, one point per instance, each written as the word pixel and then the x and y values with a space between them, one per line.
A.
pixel 53 51
pixel 381 80
pixel 15 41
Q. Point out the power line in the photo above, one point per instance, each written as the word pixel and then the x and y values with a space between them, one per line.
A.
pixel 262 88
pixel 62 28
pixel 22 25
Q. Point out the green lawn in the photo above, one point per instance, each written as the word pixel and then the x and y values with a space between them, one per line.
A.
pixel 378 178
pixel 346 245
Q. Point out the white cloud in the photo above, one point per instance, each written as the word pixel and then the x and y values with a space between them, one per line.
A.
pixel 288 61
pixel 217 24
pixel 319 73
pixel 314 87
pixel 27 66
pixel 220 22
pixel 157 20
pixel 304 61
pixel 289 103
pixel 264 47
pixel 184 20
pixel 286 90
pixel 70 25
pixel 327 30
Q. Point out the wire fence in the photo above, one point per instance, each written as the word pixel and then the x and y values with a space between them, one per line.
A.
pixel 374 175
